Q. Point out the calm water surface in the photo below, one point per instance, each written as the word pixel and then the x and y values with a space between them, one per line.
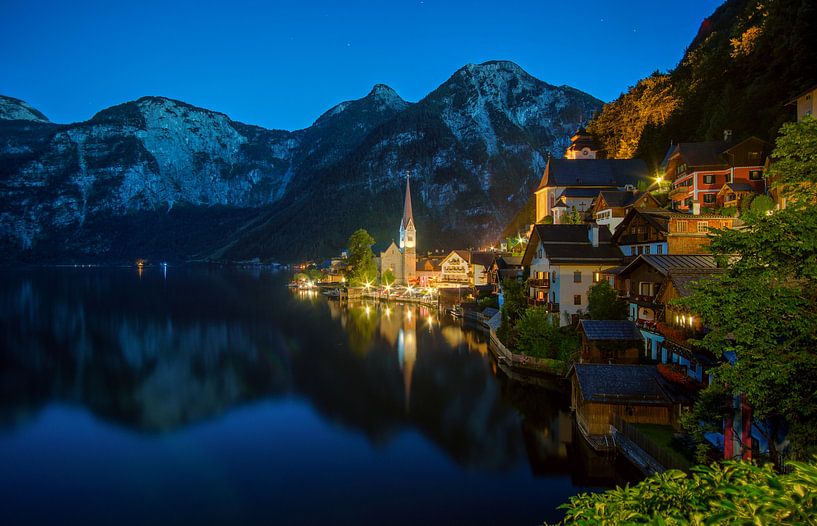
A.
pixel 219 396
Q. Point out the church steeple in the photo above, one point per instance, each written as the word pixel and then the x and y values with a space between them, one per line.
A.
pixel 408 233
pixel 408 217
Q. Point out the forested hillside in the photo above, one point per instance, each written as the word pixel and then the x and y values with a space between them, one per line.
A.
pixel 749 59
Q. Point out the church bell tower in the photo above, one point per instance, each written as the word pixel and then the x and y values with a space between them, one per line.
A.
pixel 408 238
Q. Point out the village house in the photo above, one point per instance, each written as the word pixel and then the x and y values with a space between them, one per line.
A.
pixel 699 170
pixel 611 206
pixel 660 231
pixel 610 342
pixel 455 268
pixel 564 261
pixel 568 184
pixel 505 267
pixel 637 394
pixel 429 271
pixel 649 284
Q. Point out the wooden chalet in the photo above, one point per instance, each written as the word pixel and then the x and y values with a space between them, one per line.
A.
pixel 659 231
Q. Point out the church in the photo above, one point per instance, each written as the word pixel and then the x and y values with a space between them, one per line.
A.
pixel 402 259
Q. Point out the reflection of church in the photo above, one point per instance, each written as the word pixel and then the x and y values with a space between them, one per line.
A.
pixel 407 351
pixel 402 260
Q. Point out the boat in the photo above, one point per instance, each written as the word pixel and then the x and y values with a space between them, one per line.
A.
pixel 456 311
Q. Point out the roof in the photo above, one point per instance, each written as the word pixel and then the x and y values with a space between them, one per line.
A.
pixel 674 262
pixel 569 234
pixel 708 153
pixel 580 192
pixel 408 215
pixel 618 198
pixel 483 258
pixel 464 254
pixel 739 187
pixel 434 263
pixel 659 219
pixel 571 243
pixel 610 330
pixel 633 384
pixel 504 262
pixel 611 173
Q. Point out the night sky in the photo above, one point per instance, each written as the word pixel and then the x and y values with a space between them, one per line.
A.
pixel 281 64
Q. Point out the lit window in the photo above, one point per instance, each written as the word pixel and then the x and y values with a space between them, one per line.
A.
pixel 703 226
pixel 596 277
pixel 755 175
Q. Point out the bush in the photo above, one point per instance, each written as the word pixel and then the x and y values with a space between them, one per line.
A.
pixel 729 211
pixel 603 303
pixel 731 492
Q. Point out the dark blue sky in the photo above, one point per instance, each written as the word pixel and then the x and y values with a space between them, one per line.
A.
pixel 281 64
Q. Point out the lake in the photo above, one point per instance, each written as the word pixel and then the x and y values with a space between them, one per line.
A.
pixel 219 396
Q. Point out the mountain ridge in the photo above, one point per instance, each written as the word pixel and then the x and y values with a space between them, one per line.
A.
pixel 475 145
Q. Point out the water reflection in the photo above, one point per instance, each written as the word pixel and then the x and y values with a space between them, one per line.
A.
pixel 156 354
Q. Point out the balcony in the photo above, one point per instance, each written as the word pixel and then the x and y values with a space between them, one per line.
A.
pixel 641 299
pixel 677 334
pixel 679 190
pixel 539 283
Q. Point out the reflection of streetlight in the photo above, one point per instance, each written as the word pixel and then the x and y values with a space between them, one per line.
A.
pixel 388 311
pixel 408 313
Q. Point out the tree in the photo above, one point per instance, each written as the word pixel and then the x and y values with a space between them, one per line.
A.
pixel 574 217
pixel 603 303
pixel 361 267
pixel 514 303
pixel 387 278
pixel 762 311
pixel 727 493
pixel 535 333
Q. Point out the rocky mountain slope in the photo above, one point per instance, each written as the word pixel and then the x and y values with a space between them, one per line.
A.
pixel 159 178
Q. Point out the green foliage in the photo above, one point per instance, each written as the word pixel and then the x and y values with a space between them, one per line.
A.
pixel 361 267
pixel 707 415
pixel 729 211
pixel 728 493
pixel 574 217
pixel 387 278
pixel 547 220
pixel 515 301
pixel 795 160
pixel 488 301
pixel 761 205
pixel 603 303
pixel 536 333
pixel 763 309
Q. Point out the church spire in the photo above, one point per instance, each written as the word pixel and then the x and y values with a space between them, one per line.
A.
pixel 408 217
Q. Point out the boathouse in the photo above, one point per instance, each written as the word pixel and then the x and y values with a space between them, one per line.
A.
pixel 610 341
pixel 637 394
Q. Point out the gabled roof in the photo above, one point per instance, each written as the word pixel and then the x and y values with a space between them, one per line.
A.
pixel 739 187
pixel 621 384
pixel 709 153
pixel 504 262
pixel 610 173
pixel 610 330
pixel 580 192
pixel 482 258
pixel 464 254
pixel 618 198
pixel 673 263
pixel 571 243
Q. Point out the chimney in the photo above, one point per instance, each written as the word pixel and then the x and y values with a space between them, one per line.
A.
pixel 593 234
pixel 696 208
pixel 727 135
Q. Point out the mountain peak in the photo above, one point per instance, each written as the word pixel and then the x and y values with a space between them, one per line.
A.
pixel 382 90
pixel 16 109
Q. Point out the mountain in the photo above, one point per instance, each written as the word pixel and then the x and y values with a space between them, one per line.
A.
pixel 159 178
pixel 748 60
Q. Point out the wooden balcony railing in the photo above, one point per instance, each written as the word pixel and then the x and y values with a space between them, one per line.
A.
pixel 539 283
